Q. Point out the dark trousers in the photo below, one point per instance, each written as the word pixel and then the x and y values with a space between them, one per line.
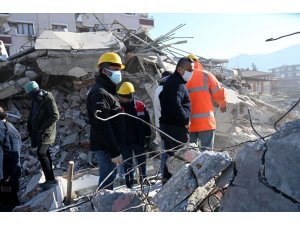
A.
pixel 43 154
pixel 178 133
pixel 127 153
pixel 10 200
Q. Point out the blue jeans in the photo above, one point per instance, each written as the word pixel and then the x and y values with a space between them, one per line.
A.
pixel 120 170
pixel 203 138
pixel 106 166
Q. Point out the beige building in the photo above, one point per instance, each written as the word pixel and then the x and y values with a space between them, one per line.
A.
pixel 18 31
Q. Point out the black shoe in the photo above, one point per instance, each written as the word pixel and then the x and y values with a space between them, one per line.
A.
pixel 48 184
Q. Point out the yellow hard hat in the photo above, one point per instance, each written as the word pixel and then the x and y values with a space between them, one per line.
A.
pixel 126 88
pixel 110 57
pixel 193 57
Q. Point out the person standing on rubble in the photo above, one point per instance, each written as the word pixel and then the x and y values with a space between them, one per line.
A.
pixel 157 114
pixel 203 88
pixel 10 169
pixel 175 109
pixel 106 137
pixel 137 134
pixel 41 126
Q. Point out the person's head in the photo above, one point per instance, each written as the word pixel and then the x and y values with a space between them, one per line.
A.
pixel 125 92
pixel 3 114
pixel 193 57
pixel 31 88
pixel 185 68
pixel 110 65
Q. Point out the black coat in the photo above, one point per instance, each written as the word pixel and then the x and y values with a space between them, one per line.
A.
pixel 108 135
pixel 10 147
pixel 175 102
pixel 41 124
pixel 136 130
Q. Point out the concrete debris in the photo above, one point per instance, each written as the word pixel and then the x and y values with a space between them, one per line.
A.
pixel 65 64
pixel 195 199
pixel 209 164
pixel 117 201
pixel 266 175
pixel 19 69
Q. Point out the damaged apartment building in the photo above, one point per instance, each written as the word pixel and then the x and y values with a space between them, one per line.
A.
pixel 253 167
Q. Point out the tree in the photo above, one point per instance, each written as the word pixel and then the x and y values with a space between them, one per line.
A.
pixel 254 68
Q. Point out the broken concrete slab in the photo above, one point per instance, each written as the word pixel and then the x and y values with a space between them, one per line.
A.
pixel 177 189
pixel 209 164
pixel 78 41
pixel 248 192
pixel 117 201
pixel 282 159
pixel 194 200
pixel 31 75
pixel 44 201
pixel 77 72
pixel 19 69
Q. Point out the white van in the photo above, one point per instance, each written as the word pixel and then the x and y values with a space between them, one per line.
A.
pixel 3 52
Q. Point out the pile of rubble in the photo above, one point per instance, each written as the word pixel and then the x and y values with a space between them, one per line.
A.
pixel 64 63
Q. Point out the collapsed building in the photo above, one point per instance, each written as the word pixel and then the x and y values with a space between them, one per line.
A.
pixel 64 63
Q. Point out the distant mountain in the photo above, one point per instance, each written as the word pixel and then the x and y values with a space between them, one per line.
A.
pixel 286 56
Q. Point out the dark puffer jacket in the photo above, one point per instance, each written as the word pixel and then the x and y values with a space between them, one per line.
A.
pixel 41 122
pixel 108 135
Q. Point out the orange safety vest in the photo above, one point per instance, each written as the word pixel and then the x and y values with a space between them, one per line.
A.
pixel 203 87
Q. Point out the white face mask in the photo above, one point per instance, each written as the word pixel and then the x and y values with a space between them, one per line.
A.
pixel 187 75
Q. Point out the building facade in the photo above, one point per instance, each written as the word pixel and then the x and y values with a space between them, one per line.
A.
pixel 288 80
pixel 18 31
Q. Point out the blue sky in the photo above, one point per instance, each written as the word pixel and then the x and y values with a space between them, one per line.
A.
pixel 225 35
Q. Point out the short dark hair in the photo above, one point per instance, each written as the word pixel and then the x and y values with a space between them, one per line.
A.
pixel 183 61
pixel 166 73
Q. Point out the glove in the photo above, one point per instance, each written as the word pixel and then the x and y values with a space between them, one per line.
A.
pixel 117 160
pixel 223 107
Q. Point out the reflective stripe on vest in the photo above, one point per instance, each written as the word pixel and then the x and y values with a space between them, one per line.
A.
pixel 215 90
pixel 202 115
pixel 204 87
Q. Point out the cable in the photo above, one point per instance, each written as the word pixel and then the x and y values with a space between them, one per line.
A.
pixel 284 115
pixel 253 126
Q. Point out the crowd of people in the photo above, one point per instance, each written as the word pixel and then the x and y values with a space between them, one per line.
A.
pixel 183 107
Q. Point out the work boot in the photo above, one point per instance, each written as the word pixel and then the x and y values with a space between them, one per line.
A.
pixel 48 184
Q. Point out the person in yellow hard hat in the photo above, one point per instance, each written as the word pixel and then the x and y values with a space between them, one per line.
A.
pixel 106 137
pixel 203 88
pixel 137 135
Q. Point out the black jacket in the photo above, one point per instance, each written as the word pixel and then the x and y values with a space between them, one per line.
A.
pixel 10 147
pixel 136 130
pixel 108 135
pixel 175 102
pixel 42 119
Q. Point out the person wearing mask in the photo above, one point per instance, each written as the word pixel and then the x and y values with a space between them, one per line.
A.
pixel 175 108
pixel 41 126
pixel 106 137
pixel 157 109
pixel 203 88
pixel 137 133
pixel 10 169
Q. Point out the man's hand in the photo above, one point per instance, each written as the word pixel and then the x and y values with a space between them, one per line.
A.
pixel 188 125
pixel 117 160
pixel 223 107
